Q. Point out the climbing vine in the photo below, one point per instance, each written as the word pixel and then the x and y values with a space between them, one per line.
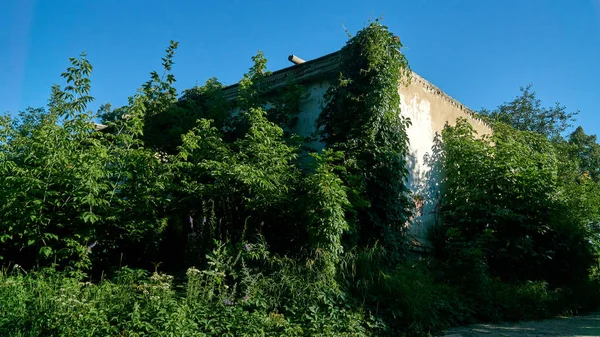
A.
pixel 362 119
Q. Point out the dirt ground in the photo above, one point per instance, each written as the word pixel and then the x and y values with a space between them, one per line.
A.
pixel 576 326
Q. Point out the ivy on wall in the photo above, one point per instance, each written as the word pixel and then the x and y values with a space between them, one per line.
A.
pixel 362 119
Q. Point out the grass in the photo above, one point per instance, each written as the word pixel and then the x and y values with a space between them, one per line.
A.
pixel 252 293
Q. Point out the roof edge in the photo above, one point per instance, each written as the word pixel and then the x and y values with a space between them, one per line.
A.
pixel 328 64
pixel 309 70
pixel 437 91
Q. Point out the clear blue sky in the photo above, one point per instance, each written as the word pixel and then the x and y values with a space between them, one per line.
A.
pixel 477 51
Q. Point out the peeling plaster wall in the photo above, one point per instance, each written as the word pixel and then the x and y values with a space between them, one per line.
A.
pixel 421 140
pixel 429 109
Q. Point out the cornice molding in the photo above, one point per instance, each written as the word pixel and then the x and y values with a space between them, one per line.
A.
pixel 308 71
pixel 329 64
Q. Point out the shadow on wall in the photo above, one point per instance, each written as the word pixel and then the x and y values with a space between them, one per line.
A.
pixel 435 179
pixel 425 182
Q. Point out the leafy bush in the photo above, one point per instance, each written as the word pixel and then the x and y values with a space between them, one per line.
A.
pixel 226 299
pixel 66 189
pixel 504 201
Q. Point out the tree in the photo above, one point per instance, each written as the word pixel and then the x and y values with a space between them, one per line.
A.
pixel 70 194
pixel 587 150
pixel 526 113
pixel 505 197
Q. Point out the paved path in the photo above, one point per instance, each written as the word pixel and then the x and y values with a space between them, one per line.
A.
pixel 576 326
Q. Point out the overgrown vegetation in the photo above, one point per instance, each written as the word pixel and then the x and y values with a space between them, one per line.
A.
pixel 197 215
pixel 362 120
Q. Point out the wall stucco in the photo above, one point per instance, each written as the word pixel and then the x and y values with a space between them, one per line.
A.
pixel 429 109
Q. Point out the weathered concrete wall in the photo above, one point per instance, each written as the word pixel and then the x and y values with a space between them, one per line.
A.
pixel 428 109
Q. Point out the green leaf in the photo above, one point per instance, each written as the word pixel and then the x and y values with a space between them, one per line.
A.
pixel 46 251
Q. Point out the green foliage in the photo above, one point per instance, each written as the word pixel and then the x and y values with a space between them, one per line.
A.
pixel 526 113
pixel 586 150
pixel 199 185
pixel 252 85
pixel 416 299
pixel 285 105
pixel 164 129
pixel 406 299
pixel 240 185
pixel 245 180
pixel 248 292
pixel 503 198
pixel 72 195
pixel 571 223
pixel 54 183
pixel 252 182
pixel 228 298
pixel 159 89
pixel 326 202
pixel 516 211
pixel 362 119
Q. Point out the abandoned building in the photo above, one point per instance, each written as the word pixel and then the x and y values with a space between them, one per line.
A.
pixel 428 108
